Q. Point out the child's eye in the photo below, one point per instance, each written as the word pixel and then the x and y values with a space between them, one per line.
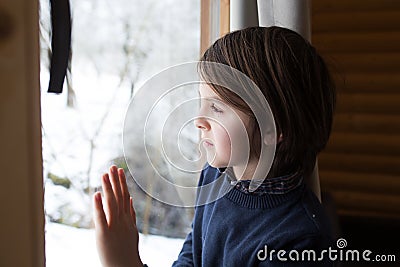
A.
pixel 215 109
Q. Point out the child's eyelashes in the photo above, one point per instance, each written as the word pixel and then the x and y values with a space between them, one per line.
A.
pixel 211 106
pixel 215 108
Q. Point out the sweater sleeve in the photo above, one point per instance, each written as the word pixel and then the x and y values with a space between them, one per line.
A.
pixel 185 257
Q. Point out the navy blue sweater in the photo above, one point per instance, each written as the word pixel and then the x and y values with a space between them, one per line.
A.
pixel 238 228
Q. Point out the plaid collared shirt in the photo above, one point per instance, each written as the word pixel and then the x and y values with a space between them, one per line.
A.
pixel 276 185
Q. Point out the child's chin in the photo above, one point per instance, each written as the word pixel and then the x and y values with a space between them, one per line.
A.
pixel 216 164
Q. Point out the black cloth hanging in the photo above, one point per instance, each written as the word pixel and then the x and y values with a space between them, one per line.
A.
pixel 60 43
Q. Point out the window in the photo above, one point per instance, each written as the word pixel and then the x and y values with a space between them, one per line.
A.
pixel 116 46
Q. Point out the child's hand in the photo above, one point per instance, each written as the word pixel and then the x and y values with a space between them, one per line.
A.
pixel 117 237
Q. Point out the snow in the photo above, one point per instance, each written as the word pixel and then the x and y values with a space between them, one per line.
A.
pixel 69 246
pixel 66 132
pixel 163 33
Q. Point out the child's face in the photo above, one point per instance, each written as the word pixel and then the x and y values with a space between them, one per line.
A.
pixel 224 130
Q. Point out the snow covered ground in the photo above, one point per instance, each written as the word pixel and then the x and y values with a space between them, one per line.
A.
pixel 102 72
pixel 69 246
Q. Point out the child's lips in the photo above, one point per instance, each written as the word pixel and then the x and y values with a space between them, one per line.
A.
pixel 207 143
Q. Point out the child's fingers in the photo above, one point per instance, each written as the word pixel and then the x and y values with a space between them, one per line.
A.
pixel 116 187
pixel 124 188
pixel 99 217
pixel 111 204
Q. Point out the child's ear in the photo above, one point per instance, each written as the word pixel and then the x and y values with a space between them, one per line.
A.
pixel 269 139
pixel 280 138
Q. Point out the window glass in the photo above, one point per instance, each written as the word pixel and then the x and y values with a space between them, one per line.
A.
pixel 116 46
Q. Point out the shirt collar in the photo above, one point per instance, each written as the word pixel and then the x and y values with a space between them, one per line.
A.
pixel 275 185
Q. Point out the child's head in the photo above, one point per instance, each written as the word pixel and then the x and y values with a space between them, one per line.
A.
pixel 296 83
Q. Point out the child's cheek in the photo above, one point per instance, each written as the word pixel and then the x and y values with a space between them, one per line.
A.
pixel 236 142
pixel 223 142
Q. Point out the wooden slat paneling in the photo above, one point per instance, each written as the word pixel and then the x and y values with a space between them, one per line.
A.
pixel 387 20
pixel 381 62
pixel 361 203
pixel 369 103
pixel 367 123
pixel 360 39
pixel 357 42
pixel 361 182
pixel 338 6
pixel 365 143
pixel 361 163
pixel 368 82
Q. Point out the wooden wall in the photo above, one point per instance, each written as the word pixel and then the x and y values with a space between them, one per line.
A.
pixel 21 191
pixel 360 39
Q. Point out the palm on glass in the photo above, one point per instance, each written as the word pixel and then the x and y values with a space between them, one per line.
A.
pixel 117 236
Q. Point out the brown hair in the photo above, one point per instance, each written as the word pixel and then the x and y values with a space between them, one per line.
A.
pixel 294 80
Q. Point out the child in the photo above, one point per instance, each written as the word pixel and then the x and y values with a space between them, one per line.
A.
pixel 246 227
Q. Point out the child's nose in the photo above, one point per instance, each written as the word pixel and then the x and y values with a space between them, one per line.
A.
pixel 201 123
